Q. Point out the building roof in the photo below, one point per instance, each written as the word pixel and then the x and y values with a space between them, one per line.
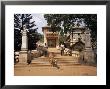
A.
pixel 46 27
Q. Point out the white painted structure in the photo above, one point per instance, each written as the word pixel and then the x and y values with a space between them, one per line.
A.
pixel 24 46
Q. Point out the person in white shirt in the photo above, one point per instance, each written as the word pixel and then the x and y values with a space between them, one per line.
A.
pixel 62 49
pixel 45 50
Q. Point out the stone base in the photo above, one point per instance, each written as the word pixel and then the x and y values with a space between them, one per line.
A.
pixel 89 56
pixel 24 49
pixel 23 57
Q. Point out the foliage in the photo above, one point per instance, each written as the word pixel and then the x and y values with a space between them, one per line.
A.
pixel 64 23
pixel 17 32
pixel 19 21
pixel 62 39
pixel 41 37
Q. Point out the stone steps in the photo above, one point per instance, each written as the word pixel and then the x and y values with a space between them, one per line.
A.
pixel 59 61
pixel 41 65
pixel 43 62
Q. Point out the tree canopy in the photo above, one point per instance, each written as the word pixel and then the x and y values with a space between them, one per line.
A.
pixel 33 37
pixel 64 23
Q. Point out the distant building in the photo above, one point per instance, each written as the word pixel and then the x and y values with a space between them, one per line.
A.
pixel 79 40
pixel 50 38
pixel 79 33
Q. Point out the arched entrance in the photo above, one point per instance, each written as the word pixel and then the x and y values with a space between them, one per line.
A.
pixel 51 43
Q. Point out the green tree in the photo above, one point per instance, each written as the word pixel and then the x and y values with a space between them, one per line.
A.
pixel 64 23
pixel 41 37
pixel 17 32
pixel 19 21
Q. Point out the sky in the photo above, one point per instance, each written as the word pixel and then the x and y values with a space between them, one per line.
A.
pixel 39 21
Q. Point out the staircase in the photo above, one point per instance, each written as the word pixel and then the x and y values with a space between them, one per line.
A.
pixel 44 61
pixel 62 60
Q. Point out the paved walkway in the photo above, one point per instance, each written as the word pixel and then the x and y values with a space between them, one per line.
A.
pixel 69 66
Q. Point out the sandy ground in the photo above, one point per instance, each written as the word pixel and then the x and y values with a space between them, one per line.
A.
pixel 37 69
pixel 76 70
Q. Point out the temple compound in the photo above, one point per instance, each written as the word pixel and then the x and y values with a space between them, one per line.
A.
pixel 80 42
pixel 50 38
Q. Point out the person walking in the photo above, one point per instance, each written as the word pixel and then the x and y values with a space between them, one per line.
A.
pixel 29 57
pixel 62 49
pixel 45 50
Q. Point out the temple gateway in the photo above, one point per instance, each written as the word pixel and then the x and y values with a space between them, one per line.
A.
pixel 50 38
pixel 79 41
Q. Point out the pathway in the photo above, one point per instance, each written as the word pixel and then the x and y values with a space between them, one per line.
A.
pixel 69 66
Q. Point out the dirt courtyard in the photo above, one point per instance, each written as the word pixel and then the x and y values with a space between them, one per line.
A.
pixel 76 70
pixel 68 67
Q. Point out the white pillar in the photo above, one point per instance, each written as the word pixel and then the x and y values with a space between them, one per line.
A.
pixel 88 39
pixel 45 39
pixel 88 54
pixel 24 46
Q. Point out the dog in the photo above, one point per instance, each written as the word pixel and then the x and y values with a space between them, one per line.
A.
pixel 52 60
pixel 51 56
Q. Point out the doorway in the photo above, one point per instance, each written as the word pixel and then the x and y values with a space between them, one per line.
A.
pixel 51 43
